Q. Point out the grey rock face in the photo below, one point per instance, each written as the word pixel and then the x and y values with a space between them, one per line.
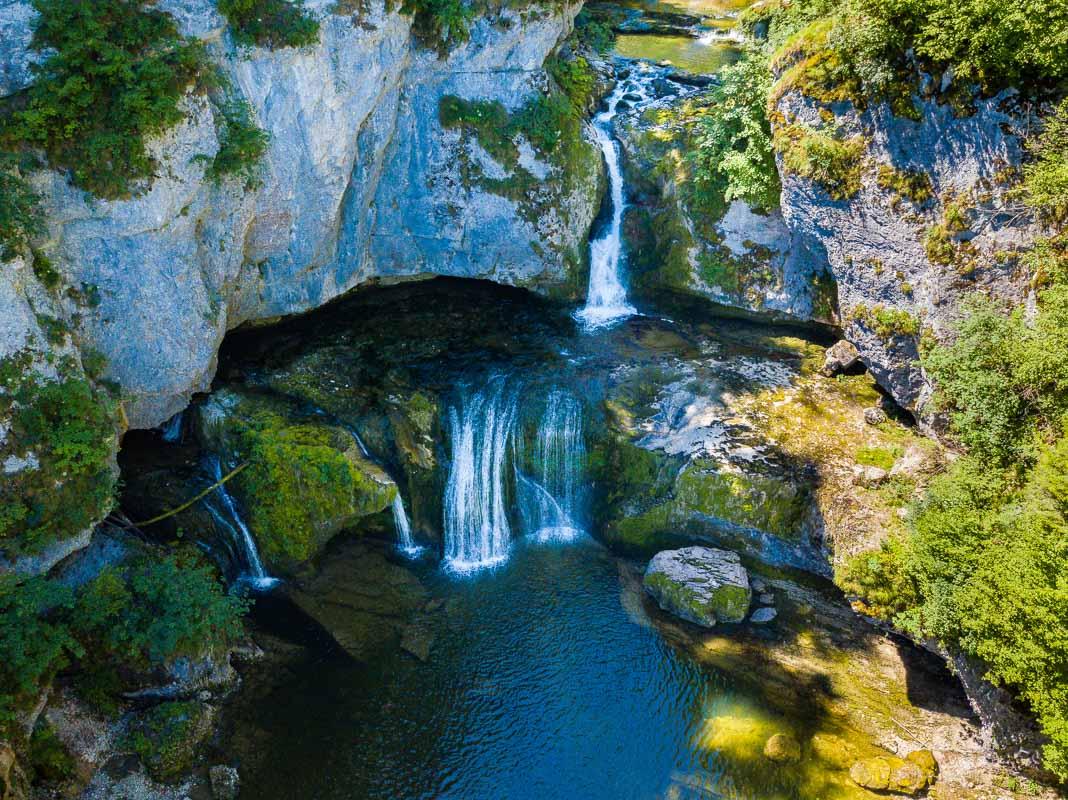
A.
pixel 700 584
pixel 360 182
pixel 875 242
pixel 762 616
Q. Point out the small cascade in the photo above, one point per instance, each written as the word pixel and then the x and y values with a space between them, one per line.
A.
pixel 606 300
pixel 482 429
pixel 230 519
pixel 405 543
pixel 558 459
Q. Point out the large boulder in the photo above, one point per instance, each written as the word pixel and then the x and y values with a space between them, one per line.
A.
pixel 700 584
pixel 910 775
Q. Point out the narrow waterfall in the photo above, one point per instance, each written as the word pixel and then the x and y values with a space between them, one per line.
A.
pixel 558 459
pixel 482 429
pixel 172 428
pixel 606 300
pixel 405 543
pixel 230 519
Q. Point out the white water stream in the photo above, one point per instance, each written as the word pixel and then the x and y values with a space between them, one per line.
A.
pixel 257 576
pixel 606 300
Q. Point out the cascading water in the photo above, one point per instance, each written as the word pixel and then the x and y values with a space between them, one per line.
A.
pixel 606 300
pixel 172 429
pixel 557 462
pixel 482 429
pixel 405 543
pixel 231 520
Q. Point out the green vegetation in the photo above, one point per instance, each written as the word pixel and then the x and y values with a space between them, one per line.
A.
pixel 64 430
pixel 887 323
pixel 576 77
pixel 1045 187
pixel 270 23
pixel 20 216
pixel 592 32
pixel 911 185
pixel 151 610
pixel 982 567
pixel 440 24
pixel 732 153
pixel 832 163
pixel 115 74
pixel 34 643
pixel 242 145
pixel 167 737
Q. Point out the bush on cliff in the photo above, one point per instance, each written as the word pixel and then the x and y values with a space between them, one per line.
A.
pixel 114 74
pixel 270 23
pixel 19 212
pixel 984 566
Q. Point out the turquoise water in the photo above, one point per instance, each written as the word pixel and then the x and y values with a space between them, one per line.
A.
pixel 541 683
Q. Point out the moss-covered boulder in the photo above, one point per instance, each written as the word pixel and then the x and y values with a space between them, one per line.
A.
pixel 306 479
pixel 782 748
pixel 168 737
pixel 700 584
pixel 892 774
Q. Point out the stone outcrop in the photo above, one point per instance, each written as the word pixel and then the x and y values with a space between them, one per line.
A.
pixel 930 224
pixel 700 584
pixel 361 182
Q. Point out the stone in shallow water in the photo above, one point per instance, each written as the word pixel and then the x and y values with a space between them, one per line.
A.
pixel 700 584
pixel 763 615
pixel 892 774
pixel 782 747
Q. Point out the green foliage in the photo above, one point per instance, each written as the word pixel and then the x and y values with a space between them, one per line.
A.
pixel 880 579
pixel 48 757
pixel 834 164
pixel 593 33
pixel 545 119
pixel 882 457
pixel 166 738
pixel 576 77
pixel 732 153
pixel 912 185
pixel 20 216
pixel 33 644
pixel 115 73
pixel 69 428
pixel 270 23
pixel 45 271
pixel 887 322
pixel 1045 186
pixel 147 612
pixel 1003 381
pixel 242 145
pixel 440 24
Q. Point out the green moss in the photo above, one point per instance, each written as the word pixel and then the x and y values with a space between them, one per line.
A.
pixel 766 503
pixel 168 737
pixel 305 482
pixel 49 759
pixel 835 164
pixel 882 457
pixel 911 185
pixel 887 323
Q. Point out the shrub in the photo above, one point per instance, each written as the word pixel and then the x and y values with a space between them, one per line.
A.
pixel 885 322
pixel 20 216
pixel 33 645
pixel 1004 382
pixel 147 612
pixel 440 24
pixel 576 77
pixel 880 579
pixel 242 145
pixel 732 153
pixel 1045 186
pixel 270 23
pixel 593 33
pixel 69 427
pixel 545 119
pixel 114 75
pixel 167 737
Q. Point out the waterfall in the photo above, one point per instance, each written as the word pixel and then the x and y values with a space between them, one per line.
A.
pixel 606 300
pixel 558 459
pixel 482 429
pixel 405 543
pixel 232 521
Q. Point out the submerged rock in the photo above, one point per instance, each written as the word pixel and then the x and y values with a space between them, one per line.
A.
pixel 892 774
pixel 782 747
pixel 700 584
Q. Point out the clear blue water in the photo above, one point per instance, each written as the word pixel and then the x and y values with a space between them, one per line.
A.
pixel 540 684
